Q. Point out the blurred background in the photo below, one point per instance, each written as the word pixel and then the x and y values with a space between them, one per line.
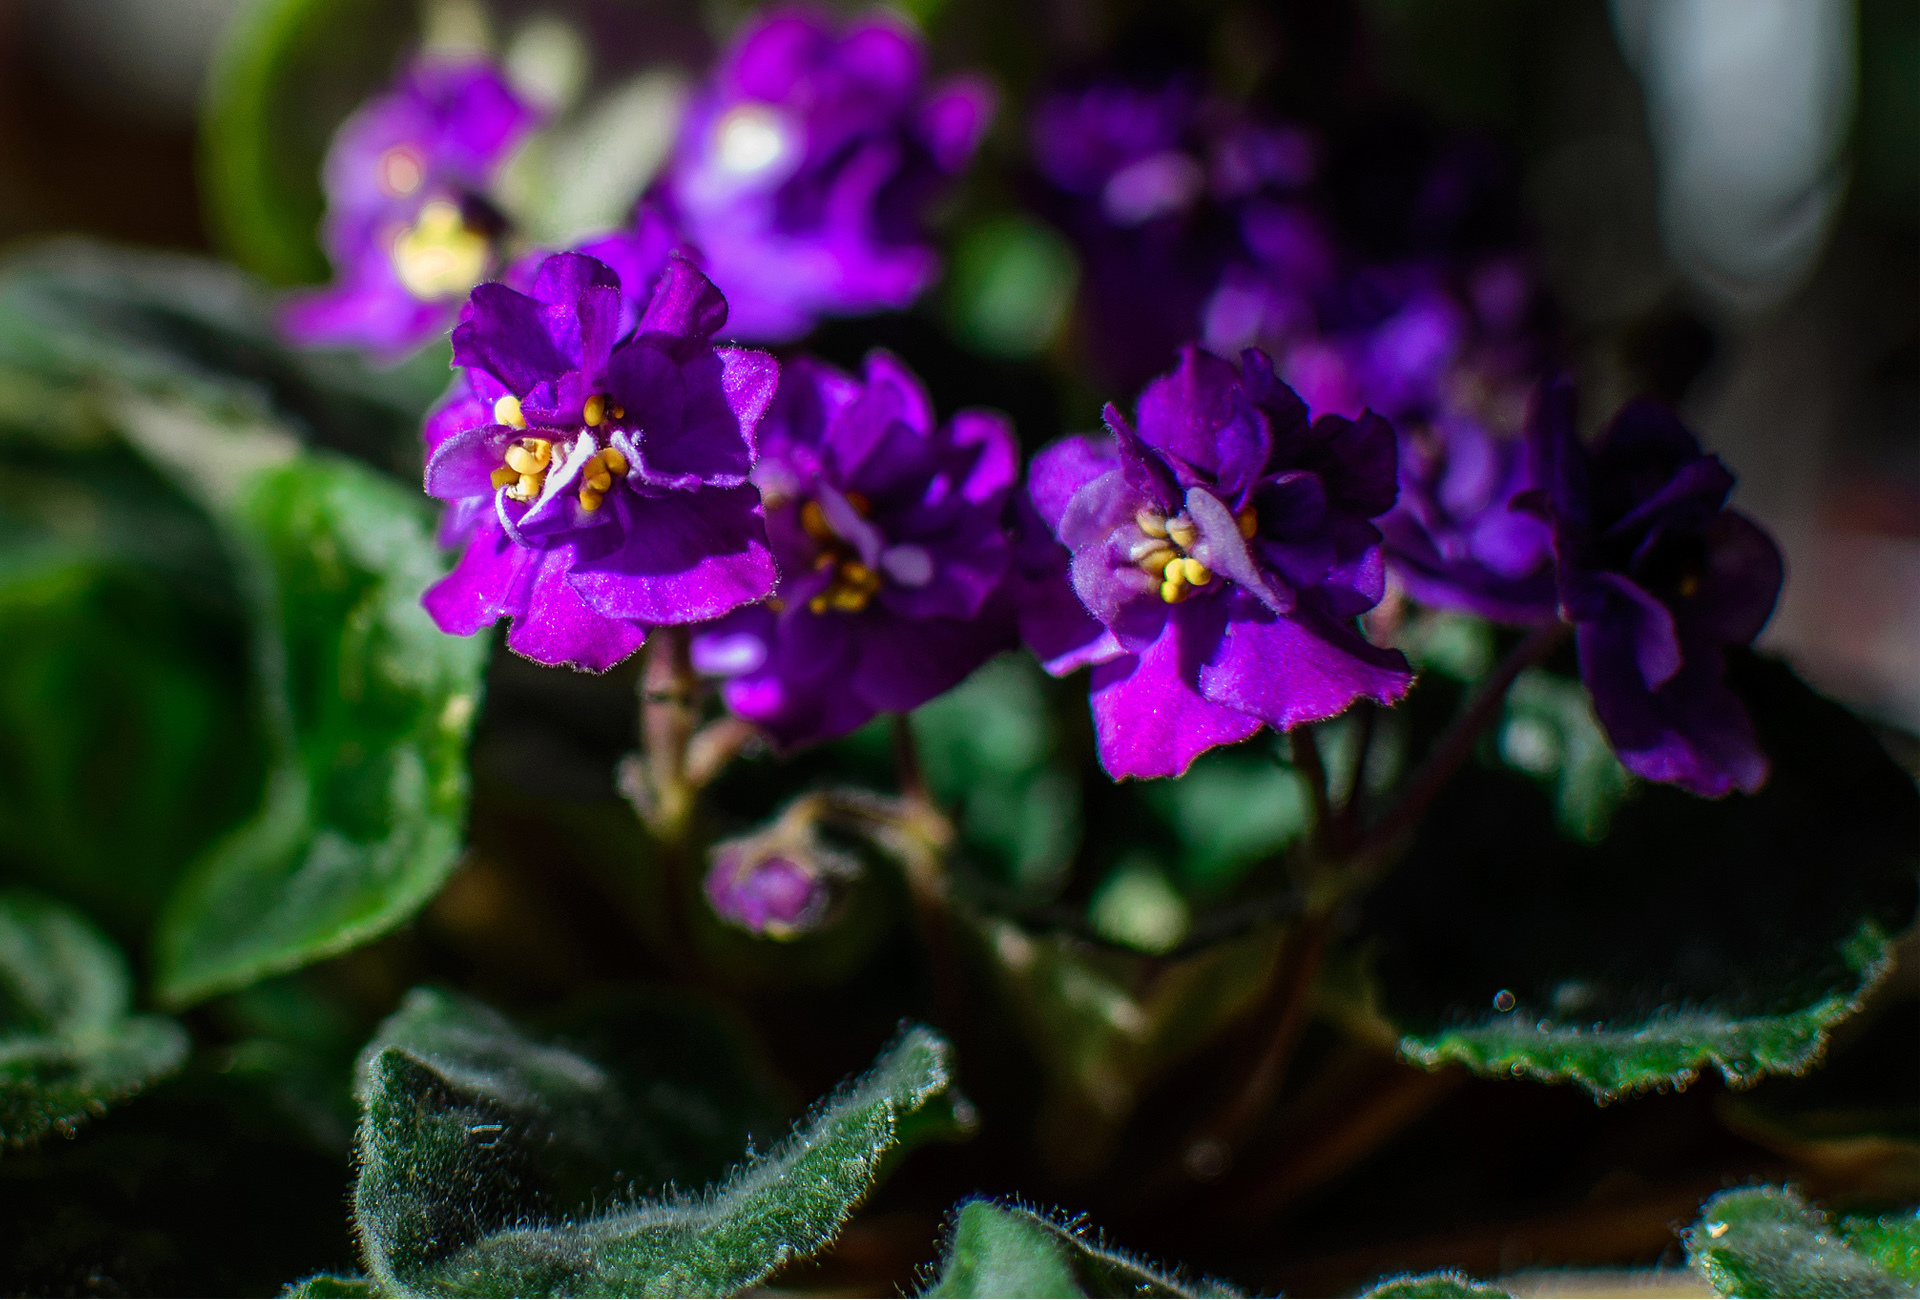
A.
pixel 1725 195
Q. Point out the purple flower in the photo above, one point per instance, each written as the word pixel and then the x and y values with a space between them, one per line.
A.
pixel 1227 548
pixel 409 228
pixel 802 170
pixel 773 896
pixel 1658 578
pixel 1161 188
pixel 605 490
pixel 891 546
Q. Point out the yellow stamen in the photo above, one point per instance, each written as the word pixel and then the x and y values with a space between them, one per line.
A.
pixel 825 560
pixel 848 599
pixel 861 506
pixel 600 480
pixel 1249 522
pixel 1690 586
pixel 1181 530
pixel 1195 572
pixel 776 604
pixel 589 499
pixel 1151 522
pixel 818 605
pixel 507 411
pixel 529 487
pixel 438 257
pixel 859 574
pixel 1157 563
pixel 612 456
pixel 814 520
pixel 504 476
pixel 619 412
pixel 530 455
pixel 595 411
pixel 1174 587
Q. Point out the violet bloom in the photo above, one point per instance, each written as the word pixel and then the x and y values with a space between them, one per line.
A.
pixel 889 533
pixel 409 226
pixel 1160 188
pixel 1226 546
pixel 773 896
pixel 606 490
pixel 802 170
pixel 1658 578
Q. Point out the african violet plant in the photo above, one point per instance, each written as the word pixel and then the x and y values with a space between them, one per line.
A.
pixel 1327 694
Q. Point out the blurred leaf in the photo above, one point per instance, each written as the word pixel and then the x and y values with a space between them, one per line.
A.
pixel 581 178
pixel 68 1046
pixel 1549 732
pixel 1105 1024
pixel 1136 906
pixel 990 752
pixel 470 1157
pixel 1234 808
pixel 1891 1240
pixel 1008 1250
pixel 1012 283
pixel 327 1286
pixel 1734 933
pixel 124 746
pixel 288 74
pixel 368 706
pixel 1766 1241
pixel 1434 1285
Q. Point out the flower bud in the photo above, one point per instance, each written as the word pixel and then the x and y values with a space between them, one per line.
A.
pixel 778 883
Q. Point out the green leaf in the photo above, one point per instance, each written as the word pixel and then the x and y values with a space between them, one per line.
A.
pixel 1733 933
pixel 1766 1241
pixel 1549 732
pixel 328 1286
pixel 1892 1241
pixel 494 1163
pixel 69 1046
pixel 289 73
pixel 1449 1283
pixel 1012 286
pixel 1008 1250
pixel 369 708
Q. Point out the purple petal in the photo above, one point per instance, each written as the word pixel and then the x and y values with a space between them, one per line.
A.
pixel 681 557
pixel 953 119
pixel 1646 623
pixel 1146 473
pixel 1298 668
pixel 462 465
pixel 1742 581
pixel 1222 549
pixel 685 305
pixel 1149 716
pixel 1199 416
pixel 1693 732
pixel 1065 467
pixel 688 431
pixel 996 467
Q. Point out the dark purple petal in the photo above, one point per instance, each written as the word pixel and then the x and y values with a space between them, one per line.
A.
pixel 680 557
pixel 689 432
pixel 463 464
pixel 1146 473
pixel 1741 582
pixel 685 307
pixel 1693 732
pixel 1062 469
pixel 1199 416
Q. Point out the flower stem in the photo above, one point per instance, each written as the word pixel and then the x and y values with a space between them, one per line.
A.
pixel 1452 749
pixel 668 714
pixel 1306 757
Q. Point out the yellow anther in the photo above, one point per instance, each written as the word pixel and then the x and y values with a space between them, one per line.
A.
pixel 504 477
pixel 1195 572
pixel 595 410
pixel 507 411
pixel 598 481
pixel 439 257
pixel 589 499
pixel 818 604
pixel 1181 530
pixel 1151 546
pixel 776 604
pixel 612 456
pixel 814 520
pixel 861 506
pixel 529 487
pixel 825 560
pixel 1173 588
pixel 859 574
pixel 619 412
pixel 1249 522
pixel 850 600
pixel 1156 563
pixel 1152 522
pixel 1689 585
pixel 530 455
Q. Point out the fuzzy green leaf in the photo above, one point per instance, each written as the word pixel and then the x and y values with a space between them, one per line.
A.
pixel 1734 933
pixel 1433 1286
pixel 1766 1241
pixel 1008 1250
pixel 485 1155
pixel 329 1286
pixel 69 1046
pixel 368 706
pixel 1891 1240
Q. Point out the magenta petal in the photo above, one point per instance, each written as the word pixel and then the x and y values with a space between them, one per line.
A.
pixel 997 467
pixel 682 557
pixel 1148 714
pixel 481 588
pixel 505 333
pixel 688 432
pixel 462 465
pixel 749 379
pixel 953 119
pixel 685 305
pixel 1298 668
pixel 1062 469
pixel 558 628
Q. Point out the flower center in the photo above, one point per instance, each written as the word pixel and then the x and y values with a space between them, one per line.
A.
pixel 401 169
pixel 439 256
pixel 524 475
pixel 750 138
pixel 853 583
pixel 1163 552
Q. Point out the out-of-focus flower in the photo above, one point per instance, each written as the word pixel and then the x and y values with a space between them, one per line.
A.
pixel 803 169
pixel 1162 188
pixel 615 476
pixel 1658 578
pixel 889 534
pixel 410 228
pixel 1227 547
pixel 778 882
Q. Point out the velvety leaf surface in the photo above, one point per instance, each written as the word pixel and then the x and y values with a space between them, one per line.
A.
pixel 1890 1240
pixel 369 708
pixel 329 1286
pixel 1008 1250
pixel 1733 933
pixel 69 1045
pixel 496 1164
pixel 1433 1286
pixel 1767 1241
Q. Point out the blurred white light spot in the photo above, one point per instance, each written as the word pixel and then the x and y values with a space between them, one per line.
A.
pixel 401 170
pixel 910 566
pixel 751 138
pixel 1155 186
